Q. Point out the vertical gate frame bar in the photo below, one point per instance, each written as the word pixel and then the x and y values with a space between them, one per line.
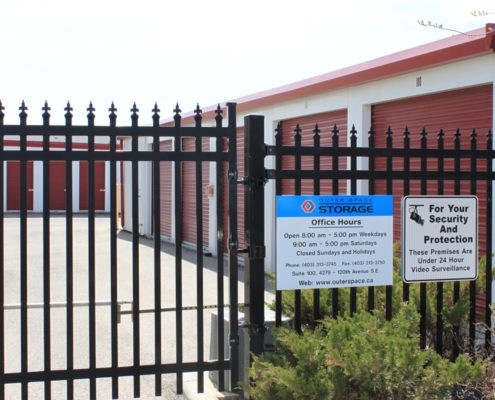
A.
pixel 422 285
pixel 439 339
pixel 388 288
pixel 233 243
pixel 220 251
pixel 178 254
pixel 316 192
pixel 406 186
pixel 353 138
pixel 371 191
pixel 254 264
pixel 457 286
pixel 135 265
pixel 489 250
pixel 69 263
pixel 472 284
pixel 91 260
pixel 199 253
pixel 297 192
pixel 157 256
pixel 113 264
pixel 2 266
pixel 23 259
pixel 46 265
pixel 278 192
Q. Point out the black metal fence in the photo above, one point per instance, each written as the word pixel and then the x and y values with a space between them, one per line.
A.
pixel 438 166
pixel 25 375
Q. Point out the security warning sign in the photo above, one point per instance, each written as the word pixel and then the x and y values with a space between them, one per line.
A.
pixel 439 238
pixel 334 241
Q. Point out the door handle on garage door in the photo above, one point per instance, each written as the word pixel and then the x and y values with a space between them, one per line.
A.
pixel 103 190
pixel 30 190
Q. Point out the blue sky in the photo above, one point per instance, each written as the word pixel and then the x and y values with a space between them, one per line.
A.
pixel 195 51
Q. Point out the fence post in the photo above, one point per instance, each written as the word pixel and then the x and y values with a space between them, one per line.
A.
pixel 254 259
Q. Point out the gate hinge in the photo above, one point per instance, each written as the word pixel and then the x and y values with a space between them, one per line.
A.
pixel 232 174
pixel 253 182
pixel 234 340
pixel 257 251
pixel 232 244
pixel 256 329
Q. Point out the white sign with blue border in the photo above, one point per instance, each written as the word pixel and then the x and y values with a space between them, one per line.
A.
pixel 334 241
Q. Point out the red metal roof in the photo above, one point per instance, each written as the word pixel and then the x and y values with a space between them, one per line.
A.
pixel 474 43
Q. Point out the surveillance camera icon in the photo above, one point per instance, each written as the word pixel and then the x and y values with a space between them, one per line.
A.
pixel 413 210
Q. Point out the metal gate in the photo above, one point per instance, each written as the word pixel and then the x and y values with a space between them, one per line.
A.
pixel 19 317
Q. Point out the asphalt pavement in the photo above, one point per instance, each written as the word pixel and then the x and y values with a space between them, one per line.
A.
pixel 103 328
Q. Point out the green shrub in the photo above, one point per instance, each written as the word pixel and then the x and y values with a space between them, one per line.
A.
pixel 359 357
pixel 453 314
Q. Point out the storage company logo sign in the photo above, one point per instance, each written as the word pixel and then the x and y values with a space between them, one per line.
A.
pixel 308 206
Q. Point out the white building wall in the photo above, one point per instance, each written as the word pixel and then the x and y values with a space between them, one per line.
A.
pixel 5 186
pixel 358 101
pixel 145 191
pixel 127 181
pixel 75 186
pixel 38 186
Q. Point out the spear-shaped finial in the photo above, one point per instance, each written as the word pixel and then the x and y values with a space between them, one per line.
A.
pixel 113 109
pixel 316 131
pixel 353 133
pixel 177 116
pixel 112 116
pixel 297 136
pixel 46 114
pixel 134 109
pixel 218 116
pixel 23 115
pixel 197 116
pixel 278 134
pixel 156 115
pixel 91 114
pixel 335 136
pixel 2 115
pixel 424 135
pixel 68 114
pixel 68 108
pixel 457 139
pixel 134 115
pixel 177 110
pixel 297 130
pixel 371 137
pixel 316 136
